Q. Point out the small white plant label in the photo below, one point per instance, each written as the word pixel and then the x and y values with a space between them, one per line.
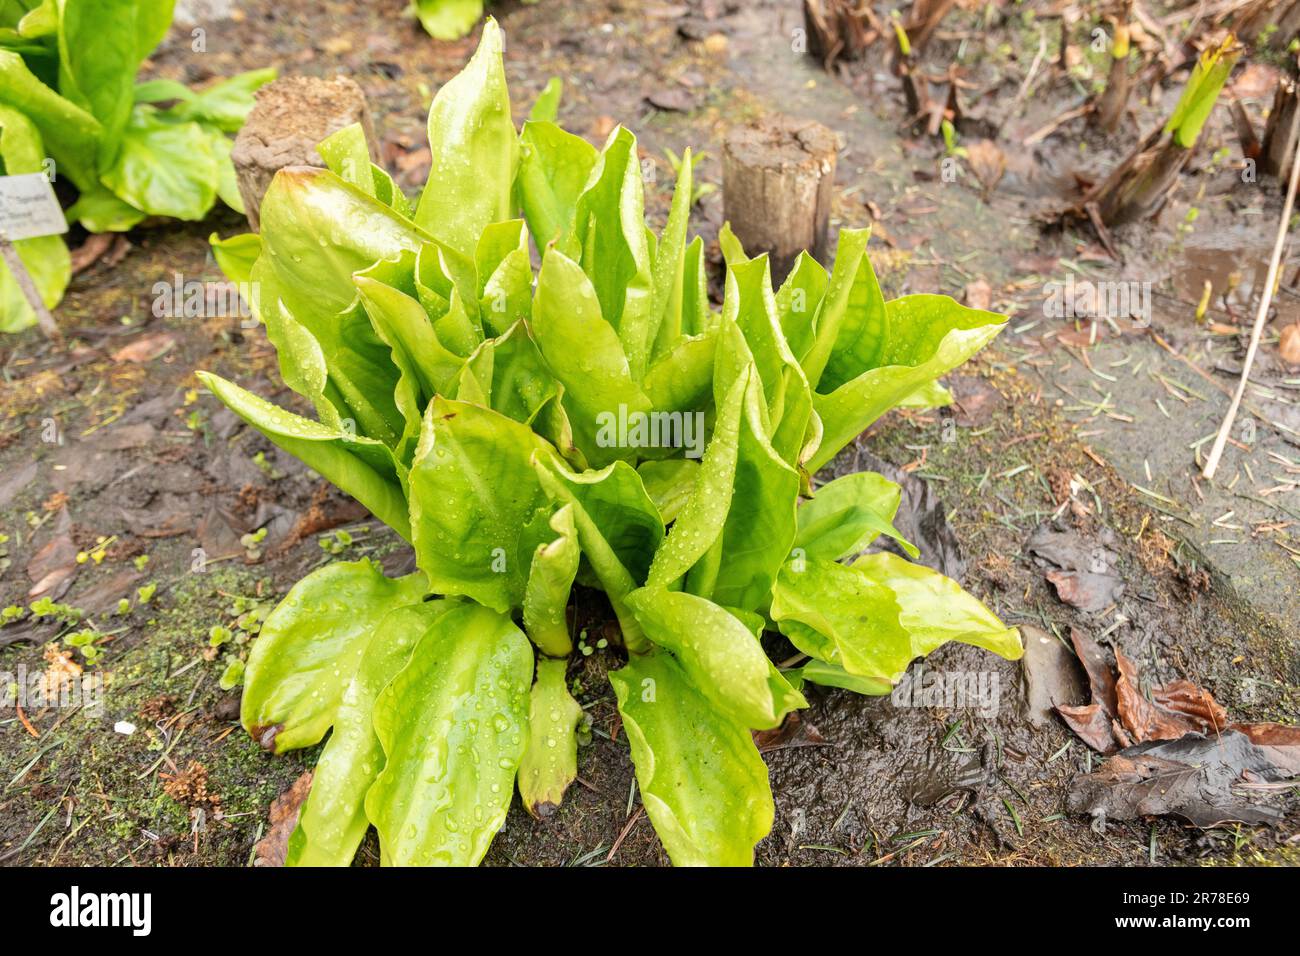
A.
pixel 29 208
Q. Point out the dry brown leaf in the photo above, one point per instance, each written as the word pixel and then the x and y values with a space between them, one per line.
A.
pixel 1289 344
pixel 987 162
pixel 146 348
pixel 272 849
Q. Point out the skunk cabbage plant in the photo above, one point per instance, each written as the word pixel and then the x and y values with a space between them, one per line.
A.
pixel 449 19
pixel 597 423
pixel 70 108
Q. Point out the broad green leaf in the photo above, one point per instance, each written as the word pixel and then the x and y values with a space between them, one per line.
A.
pixel 797 301
pixel 832 675
pixel 616 501
pixel 733 253
pixel 99 53
pixel 235 256
pixel 512 376
pixel 933 395
pixel 361 467
pixel 696 318
pixel 925 337
pixel 550 579
pixel 751 307
pixel 71 135
pixel 475 150
pixel 448 19
pixel 226 103
pixel 702 781
pixel 453 725
pixel 313 283
pixel 347 154
pixel 46 257
pixel 39 21
pixel 935 608
pixel 99 210
pixel 164 168
pixel 333 820
pixel 401 323
pixel 547 105
pixel 839 615
pixel 670 261
pixel 760 524
pixel 615 254
pixel 153 18
pixel 227 179
pixel 505 275
pixel 719 655
pixel 669 484
pixel 585 354
pixel 621 526
pixel 309 647
pixel 550 761
pixel 681 379
pixel 863 332
pixel 847 514
pixel 553 170
pixel 700 521
pixel 475 502
pixel 833 309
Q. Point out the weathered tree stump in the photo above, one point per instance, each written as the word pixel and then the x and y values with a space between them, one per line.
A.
pixel 290 117
pixel 1276 152
pixel 777 181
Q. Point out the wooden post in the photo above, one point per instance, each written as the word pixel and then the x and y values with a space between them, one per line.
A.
pixel 290 117
pixel 24 279
pixel 778 177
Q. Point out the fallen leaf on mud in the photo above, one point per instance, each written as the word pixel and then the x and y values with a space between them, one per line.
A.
pixel 104 595
pixel 1096 723
pixel 922 520
pixel 674 100
pixel 1178 708
pixel 987 162
pixel 1191 777
pixel 1051 676
pixel 794 732
pixel 52 567
pixel 146 348
pixel 1187 758
pixel 1289 344
pixel 272 849
pixel 1083 572
pixel 974 400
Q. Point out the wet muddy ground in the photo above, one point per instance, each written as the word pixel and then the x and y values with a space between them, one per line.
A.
pixel 1102 429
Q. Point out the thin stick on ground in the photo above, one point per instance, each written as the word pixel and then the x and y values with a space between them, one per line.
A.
pixel 1265 300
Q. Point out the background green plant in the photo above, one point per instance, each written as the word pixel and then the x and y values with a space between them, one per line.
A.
pixel 464 401
pixel 449 19
pixel 68 93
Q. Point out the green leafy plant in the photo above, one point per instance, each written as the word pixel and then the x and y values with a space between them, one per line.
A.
pixel 70 107
pixel 1139 186
pixel 598 424
pixel 449 19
